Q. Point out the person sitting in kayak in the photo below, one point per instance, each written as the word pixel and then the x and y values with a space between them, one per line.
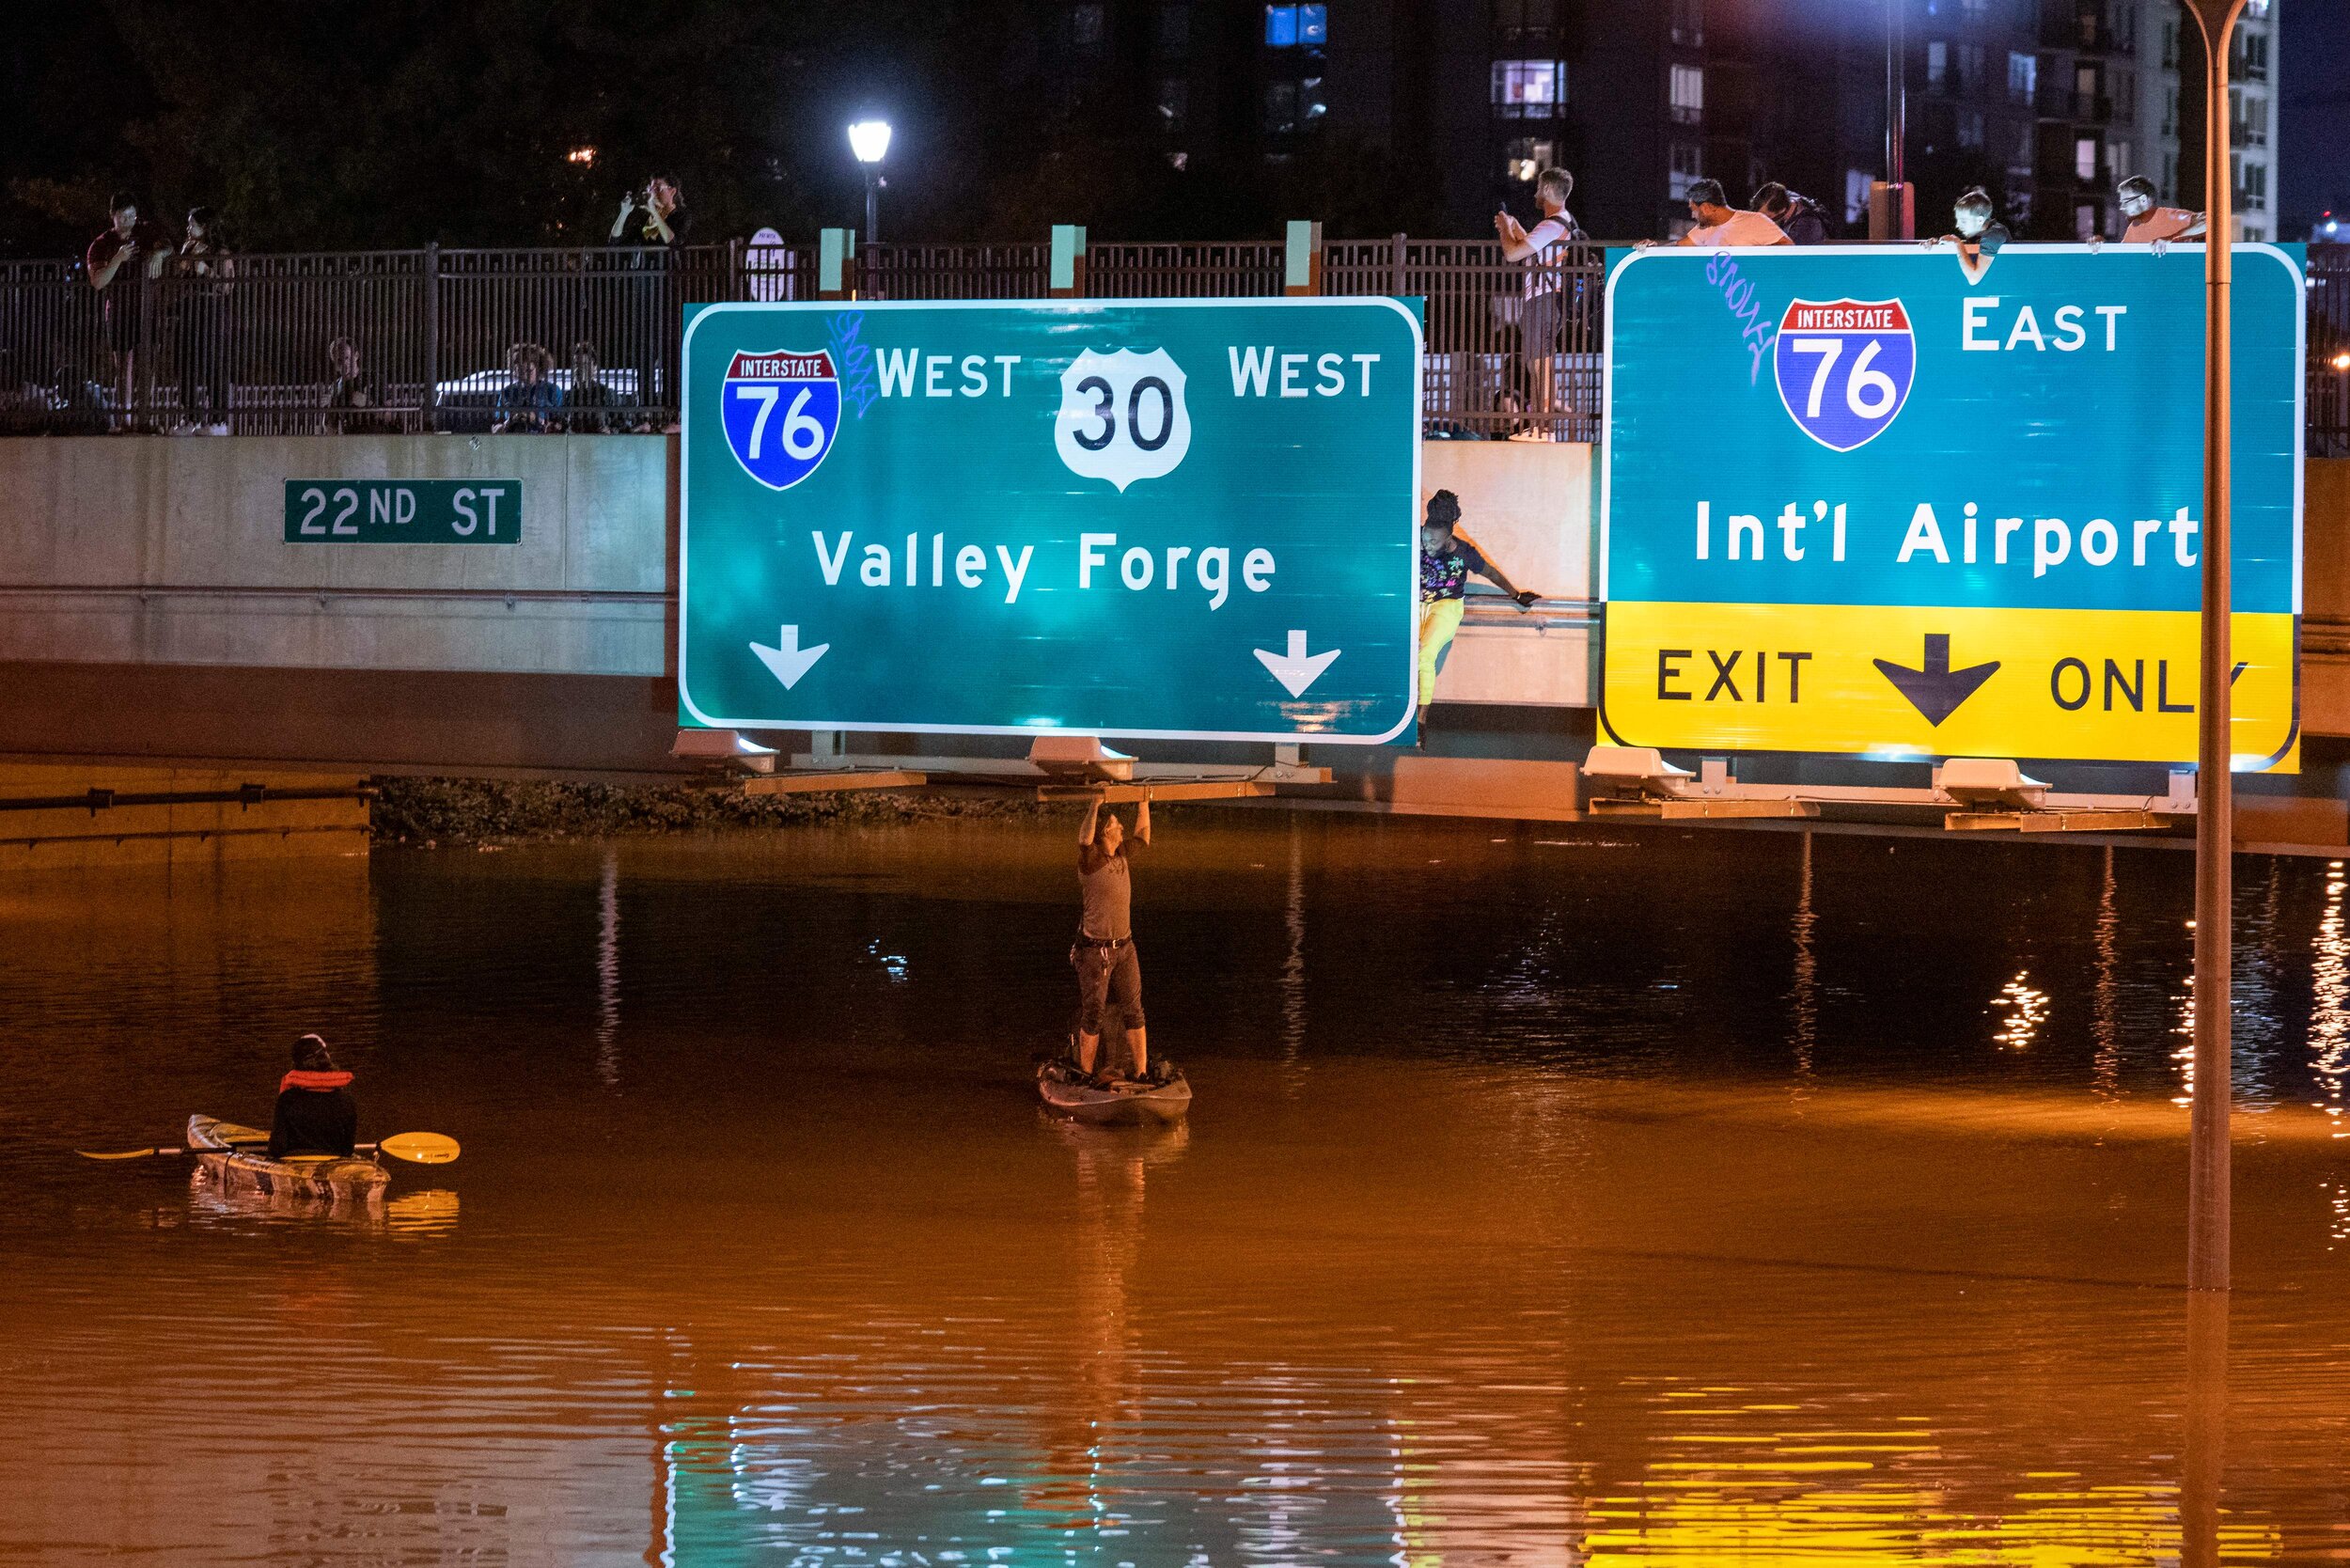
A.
pixel 1107 967
pixel 316 1114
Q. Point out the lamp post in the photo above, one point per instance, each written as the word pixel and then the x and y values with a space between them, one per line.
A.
pixel 870 140
pixel 2207 1197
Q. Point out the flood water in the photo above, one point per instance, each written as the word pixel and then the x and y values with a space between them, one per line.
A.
pixel 1549 1198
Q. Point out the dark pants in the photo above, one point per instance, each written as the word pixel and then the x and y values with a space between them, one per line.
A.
pixel 1113 974
pixel 203 360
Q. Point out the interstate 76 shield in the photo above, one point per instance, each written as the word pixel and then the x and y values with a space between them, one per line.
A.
pixel 1844 367
pixel 780 410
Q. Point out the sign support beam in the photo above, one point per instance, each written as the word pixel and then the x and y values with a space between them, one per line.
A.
pixel 2208 1201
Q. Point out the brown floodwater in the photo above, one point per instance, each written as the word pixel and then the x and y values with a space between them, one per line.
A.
pixel 1549 1198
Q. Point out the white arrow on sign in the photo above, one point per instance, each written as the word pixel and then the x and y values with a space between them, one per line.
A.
pixel 1296 670
pixel 790 661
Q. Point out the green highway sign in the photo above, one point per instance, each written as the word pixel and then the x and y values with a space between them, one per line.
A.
pixel 403 511
pixel 1190 519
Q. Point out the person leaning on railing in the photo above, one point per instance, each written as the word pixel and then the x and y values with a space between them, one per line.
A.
pixel 355 403
pixel 119 262
pixel 586 405
pixel 530 403
pixel 203 268
pixel 1542 249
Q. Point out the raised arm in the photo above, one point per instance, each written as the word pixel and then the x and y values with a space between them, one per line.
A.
pixel 1142 822
pixel 1093 816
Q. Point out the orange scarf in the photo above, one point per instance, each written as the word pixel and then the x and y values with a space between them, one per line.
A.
pixel 317 1082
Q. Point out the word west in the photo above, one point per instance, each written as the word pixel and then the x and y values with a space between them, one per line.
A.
pixel 1255 370
pixel 912 373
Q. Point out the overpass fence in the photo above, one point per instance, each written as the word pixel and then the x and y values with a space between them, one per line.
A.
pixel 434 329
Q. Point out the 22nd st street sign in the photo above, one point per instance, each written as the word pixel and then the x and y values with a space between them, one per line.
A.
pixel 1856 503
pixel 1191 519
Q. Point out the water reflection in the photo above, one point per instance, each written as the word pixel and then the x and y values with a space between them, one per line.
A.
pixel 2106 997
pixel 1538 1264
pixel 1804 994
pixel 2026 1009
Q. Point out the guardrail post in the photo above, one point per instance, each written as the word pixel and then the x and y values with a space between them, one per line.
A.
pixel 1301 272
pixel 1400 245
pixel 832 246
pixel 431 338
pixel 1067 280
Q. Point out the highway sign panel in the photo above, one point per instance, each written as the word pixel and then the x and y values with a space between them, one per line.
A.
pixel 403 511
pixel 1853 502
pixel 1190 519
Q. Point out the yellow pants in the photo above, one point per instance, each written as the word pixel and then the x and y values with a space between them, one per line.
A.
pixel 1438 620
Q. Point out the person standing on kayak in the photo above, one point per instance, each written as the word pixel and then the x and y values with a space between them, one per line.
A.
pixel 1107 967
pixel 316 1114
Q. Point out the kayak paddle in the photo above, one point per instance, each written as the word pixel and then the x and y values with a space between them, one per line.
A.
pixel 416 1148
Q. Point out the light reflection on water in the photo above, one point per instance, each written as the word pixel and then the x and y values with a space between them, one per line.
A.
pixel 1496 1236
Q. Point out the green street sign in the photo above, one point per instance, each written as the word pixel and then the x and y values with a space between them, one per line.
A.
pixel 403 511
pixel 1189 519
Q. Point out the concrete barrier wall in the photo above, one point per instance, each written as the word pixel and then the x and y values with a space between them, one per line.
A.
pixel 136 551
pixel 154 550
pixel 1529 505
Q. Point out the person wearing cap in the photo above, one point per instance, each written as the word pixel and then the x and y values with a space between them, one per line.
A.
pixel 1447 557
pixel 1719 223
pixel 2151 223
pixel 316 1114
pixel 1980 235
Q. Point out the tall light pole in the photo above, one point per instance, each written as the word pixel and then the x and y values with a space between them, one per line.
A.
pixel 2207 1197
pixel 870 140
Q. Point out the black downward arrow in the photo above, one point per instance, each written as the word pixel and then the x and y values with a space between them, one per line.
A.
pixel 1936 690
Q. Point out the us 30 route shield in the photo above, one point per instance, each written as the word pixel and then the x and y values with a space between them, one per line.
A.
pixel 1852 502
pixel 1186 519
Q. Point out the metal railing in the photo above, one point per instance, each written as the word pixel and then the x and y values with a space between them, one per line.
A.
pixel 434 329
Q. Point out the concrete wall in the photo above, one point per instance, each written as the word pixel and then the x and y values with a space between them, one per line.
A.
pixel 154 550
pixel 1529 505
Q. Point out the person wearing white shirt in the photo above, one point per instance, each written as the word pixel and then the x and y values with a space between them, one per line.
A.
pixel 1719 223
pixel 1542 249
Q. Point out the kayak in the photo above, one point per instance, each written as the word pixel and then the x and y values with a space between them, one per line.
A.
pixel 242 1164
pixel 1073 1096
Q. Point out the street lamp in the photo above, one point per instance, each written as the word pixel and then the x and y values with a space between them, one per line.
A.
pixel 870 140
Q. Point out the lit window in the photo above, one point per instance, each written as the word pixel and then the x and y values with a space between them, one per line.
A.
pixel 1937 64
pixel 1856 184
pixel 1970 127
pixel 1287 26
pixel 2120 160
pixel 2085 159
pixel 1688 94
pixel 1312 105
pixel 2085 222
pixel 1525 159
pixel 2022 75
pixel 1684 168
pixel 1529 89
pixel 1688 22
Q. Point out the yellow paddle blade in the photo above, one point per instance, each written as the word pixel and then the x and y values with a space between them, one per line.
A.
pixel 420 1147
pixel 127 1153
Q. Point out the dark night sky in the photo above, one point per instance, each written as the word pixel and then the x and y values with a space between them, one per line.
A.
pixel 2313 67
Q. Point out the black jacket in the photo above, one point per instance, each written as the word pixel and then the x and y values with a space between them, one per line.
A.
pixel 313 1121
pixel 1805 224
